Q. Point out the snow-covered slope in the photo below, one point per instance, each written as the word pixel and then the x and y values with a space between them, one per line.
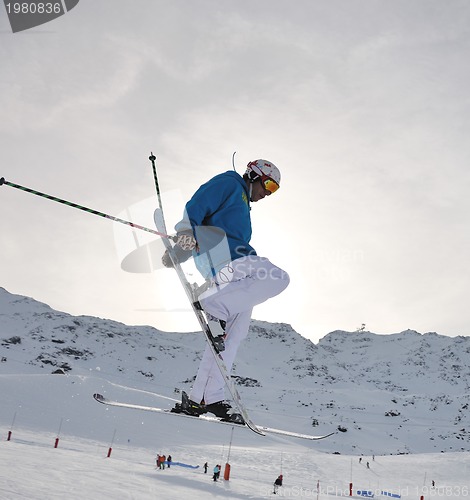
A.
pixel 387 394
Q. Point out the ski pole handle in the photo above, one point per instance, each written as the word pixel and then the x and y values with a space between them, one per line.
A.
pixel 85 209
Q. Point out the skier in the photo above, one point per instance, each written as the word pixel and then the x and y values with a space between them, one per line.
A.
pixel 205 468
pixel 277 483
pixel 216 473
pixel 237 278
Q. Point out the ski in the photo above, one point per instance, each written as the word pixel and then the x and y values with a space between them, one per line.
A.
pixel 206 418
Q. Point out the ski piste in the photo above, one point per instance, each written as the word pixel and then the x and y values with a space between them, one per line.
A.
pixel 207 418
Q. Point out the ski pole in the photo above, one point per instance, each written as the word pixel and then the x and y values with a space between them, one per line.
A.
pixel 85 209
pixel 152 158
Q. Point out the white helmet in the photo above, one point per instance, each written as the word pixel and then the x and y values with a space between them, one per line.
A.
pixel 267 172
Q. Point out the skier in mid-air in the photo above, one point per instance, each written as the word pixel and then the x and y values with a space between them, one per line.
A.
pixel 216 230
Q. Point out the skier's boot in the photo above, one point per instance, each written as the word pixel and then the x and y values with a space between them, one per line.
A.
pixel 216 326
pixel 224 411
pixel 188 407
pixel 217 330
pixel 219 343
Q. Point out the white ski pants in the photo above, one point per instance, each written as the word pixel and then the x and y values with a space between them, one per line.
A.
pixel 237 288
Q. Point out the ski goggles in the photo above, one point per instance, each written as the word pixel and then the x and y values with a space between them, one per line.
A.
pixel 269 184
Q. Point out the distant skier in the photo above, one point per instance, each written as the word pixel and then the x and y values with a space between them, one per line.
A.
pixel 216 230
pixel 168 461
pixel 277 483
pixel 216 473
pixel 205 468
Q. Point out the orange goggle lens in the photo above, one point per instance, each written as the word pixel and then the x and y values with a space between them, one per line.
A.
pixel 270 185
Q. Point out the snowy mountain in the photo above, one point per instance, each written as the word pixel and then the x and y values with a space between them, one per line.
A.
pixel 385 394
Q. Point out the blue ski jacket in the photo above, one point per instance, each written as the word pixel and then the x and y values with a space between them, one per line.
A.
pixel 222 204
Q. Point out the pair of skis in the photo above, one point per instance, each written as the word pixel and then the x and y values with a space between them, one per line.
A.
pixel 204 417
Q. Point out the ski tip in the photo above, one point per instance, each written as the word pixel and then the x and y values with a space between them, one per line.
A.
pixel 98 397
pixel 2 181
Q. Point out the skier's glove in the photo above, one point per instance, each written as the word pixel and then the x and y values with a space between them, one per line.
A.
pixel 186 241
pixel 179 255
pixel 166 261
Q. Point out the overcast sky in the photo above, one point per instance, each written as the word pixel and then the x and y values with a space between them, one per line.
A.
pixel 364 105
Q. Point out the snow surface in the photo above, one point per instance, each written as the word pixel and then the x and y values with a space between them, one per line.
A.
pixel 347 380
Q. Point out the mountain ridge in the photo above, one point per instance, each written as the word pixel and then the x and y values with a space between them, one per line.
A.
pixel 407 391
